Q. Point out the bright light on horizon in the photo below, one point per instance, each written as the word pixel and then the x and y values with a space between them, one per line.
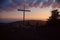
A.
pixel 35 14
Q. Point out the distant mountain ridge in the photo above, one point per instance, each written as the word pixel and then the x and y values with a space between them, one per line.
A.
pixel 27 23
pixel 13 20
pixel 8 20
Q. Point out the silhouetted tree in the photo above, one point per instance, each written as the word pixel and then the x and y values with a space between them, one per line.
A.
pixel 53 19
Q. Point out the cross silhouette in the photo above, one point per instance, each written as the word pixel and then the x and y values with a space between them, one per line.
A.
pixel 24 10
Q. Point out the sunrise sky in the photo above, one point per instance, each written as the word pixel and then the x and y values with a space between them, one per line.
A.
pixel 40 9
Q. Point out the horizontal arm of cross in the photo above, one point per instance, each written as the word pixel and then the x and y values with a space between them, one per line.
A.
pixel 23 10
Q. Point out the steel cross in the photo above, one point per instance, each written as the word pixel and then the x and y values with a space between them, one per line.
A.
pixel 24 10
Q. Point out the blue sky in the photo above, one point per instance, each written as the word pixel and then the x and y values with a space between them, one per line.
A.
pixel 7 4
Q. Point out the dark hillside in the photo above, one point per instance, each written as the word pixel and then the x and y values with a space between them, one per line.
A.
pixel 32 30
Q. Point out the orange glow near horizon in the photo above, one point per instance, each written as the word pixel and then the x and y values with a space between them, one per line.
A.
pixel 35 14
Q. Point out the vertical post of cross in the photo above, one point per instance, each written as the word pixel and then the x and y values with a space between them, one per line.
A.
pixel 24 14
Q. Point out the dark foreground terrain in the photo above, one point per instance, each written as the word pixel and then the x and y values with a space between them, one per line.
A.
pixel 31 30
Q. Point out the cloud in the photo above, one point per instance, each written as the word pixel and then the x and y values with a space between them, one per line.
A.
pixel 7 5
pixel 56 4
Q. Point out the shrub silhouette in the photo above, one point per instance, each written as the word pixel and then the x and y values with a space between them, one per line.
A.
pixel 53 21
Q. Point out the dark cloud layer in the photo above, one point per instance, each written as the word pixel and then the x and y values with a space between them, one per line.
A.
pixel 6 5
